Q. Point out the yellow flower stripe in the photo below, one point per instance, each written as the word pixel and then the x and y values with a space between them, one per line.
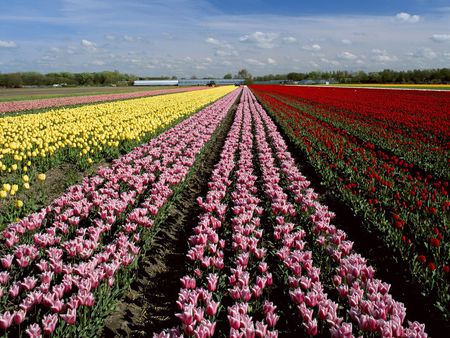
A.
pixel 88 130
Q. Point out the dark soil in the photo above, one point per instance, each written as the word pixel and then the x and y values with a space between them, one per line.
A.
pixel 150 304
pixel 403 288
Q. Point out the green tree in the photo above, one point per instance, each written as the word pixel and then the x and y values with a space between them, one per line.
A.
pixel 13 80
pixel 32 79
pixel 84 79
pixel 244 74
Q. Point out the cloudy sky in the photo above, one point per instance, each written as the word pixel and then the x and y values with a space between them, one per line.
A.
pixel 214 37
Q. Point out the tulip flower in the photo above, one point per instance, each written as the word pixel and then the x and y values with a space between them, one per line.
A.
pixel 33 331
pixel 6 319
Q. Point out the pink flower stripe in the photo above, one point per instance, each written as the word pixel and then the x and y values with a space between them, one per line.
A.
pixel 199 304
pixel 57 258
pixel 249 275
pixel 12 106
pixel 306 289
pixel 369 303
pixel 200 295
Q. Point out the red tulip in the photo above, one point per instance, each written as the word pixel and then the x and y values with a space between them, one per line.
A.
pixel 435 242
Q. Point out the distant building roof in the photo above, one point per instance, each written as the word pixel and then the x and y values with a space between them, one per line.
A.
pixel 188 82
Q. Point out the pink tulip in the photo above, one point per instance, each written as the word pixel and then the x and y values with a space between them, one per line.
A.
pixel 6 320
pixel 7 261
pixel 49 323
pixel 19 317
pixel 272 319
pixel 4 277
pixel 311 327
pixel 29 283
pixel 234 322
pixel 14 290
pixel 187 317
pixel 34 331
pixel 70 317
pixel 188 283
pixel 212 282
pixel 211 308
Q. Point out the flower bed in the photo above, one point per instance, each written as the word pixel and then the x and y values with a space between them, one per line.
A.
pixel 64 264
pixel 257 200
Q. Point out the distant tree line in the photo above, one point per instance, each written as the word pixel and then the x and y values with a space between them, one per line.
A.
pixel 105 78
pixel 441 75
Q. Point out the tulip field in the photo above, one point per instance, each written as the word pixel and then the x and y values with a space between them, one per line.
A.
pixel 387 155
pixel 31 144
pixel 264 256
pixel 20 105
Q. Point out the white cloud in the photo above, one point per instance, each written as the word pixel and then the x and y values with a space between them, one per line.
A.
pixel 110 37
pixel 260 39
pixel 223 48
pixel 88 44
pixel 289 39
pixel 331 62
pixel 128 38
pixel 423 53
pixel 406 17
pixel 212 41
pixel 98 62
pixel 346 41
pixel 226 52
pixel 440 37
pixel 271 61
pixel 381 55
pixel 7 44
pixel 254 62
pixel 315 47
pixel 347 56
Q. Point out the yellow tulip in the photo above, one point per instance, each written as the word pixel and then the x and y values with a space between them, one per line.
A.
pixel 19 204
pixel 41 177
pixel 3 194
pixel 88 130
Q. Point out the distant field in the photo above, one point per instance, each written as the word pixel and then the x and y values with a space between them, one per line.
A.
pixel 400 86
pixel 18 94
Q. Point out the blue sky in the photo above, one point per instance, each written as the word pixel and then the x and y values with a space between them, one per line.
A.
pixel 214 37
